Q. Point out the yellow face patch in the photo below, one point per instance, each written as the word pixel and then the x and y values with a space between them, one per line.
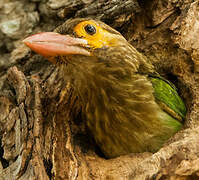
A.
pixel 97 39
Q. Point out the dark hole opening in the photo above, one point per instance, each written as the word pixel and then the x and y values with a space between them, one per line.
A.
pixel 84 138
pixel 4 162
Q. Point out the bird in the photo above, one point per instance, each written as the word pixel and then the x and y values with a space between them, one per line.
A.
pixel 129 107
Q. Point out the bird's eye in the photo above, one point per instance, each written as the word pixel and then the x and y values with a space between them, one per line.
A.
pixel 90 29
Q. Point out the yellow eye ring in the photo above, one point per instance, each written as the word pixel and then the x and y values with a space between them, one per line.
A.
pixel 95 35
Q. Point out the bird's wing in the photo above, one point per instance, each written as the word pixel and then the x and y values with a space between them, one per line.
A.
pixel 167 97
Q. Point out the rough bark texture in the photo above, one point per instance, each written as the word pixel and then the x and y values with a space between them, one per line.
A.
pixel 41 133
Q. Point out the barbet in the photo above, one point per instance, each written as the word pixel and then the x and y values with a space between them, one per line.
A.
pixel 129 107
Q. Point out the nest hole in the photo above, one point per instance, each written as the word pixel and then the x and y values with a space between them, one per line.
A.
pixel 83 138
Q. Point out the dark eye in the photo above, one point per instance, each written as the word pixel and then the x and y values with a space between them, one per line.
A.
pixel 90 29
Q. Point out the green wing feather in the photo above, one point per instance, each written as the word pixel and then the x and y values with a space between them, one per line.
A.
pixel 166 94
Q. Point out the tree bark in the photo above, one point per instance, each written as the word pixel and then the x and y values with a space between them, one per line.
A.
pixel 42 134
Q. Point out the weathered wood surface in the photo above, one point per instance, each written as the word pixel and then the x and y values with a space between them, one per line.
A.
pixel 41 133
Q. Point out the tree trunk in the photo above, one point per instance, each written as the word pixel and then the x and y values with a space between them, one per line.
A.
pixel 42 134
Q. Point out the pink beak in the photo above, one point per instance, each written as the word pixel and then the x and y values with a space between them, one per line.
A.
pixel 51 44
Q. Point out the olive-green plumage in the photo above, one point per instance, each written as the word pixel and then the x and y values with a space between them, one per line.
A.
pixel 129 108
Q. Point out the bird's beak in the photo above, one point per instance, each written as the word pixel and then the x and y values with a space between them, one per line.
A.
pixel 51 44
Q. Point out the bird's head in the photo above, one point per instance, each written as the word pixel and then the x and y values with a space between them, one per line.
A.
pixel 80 41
